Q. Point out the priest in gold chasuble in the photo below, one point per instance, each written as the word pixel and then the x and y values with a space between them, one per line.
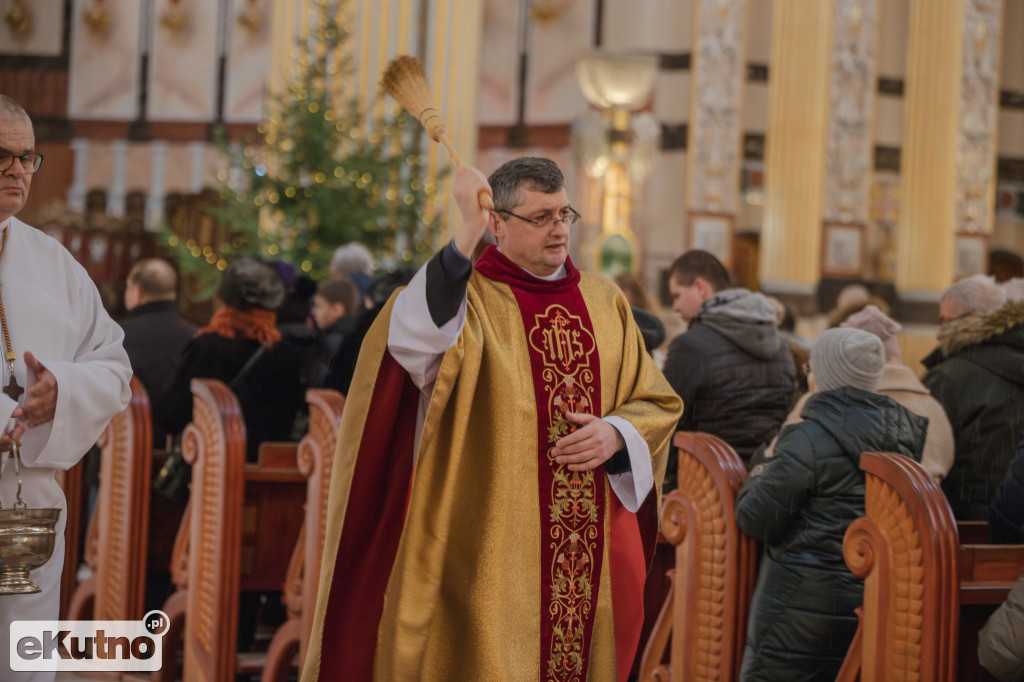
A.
pixel 494 496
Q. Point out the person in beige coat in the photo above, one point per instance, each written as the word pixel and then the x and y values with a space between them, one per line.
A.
pixel 1000 646
pixel 901 384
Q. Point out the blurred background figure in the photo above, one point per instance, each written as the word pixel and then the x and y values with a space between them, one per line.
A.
pixel 977 374
pixel 242 347
pixel 355 262
pixel 155 335
pixel 645 313
pixel 335 305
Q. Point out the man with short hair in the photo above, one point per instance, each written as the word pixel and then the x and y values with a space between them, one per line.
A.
pixel 335 304
pixel 66 373
pixel 514 548
pixel 732 368
pixel 154 333
pixel 977 374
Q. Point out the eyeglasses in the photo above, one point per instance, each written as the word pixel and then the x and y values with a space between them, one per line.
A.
pixel 30 161
pixel 569 218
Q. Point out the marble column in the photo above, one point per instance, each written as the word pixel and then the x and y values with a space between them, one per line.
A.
pixel 715 135
pixel 797 140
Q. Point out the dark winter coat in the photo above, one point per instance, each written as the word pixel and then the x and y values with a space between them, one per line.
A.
pixel 269 394
pixel 977 374
pixel 1006 513
pixel 155 337
pixel 802 615
pixel 734 372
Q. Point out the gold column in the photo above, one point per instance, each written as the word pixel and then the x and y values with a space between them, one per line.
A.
pixel 949 151
pixel 928 162
pixel 798 95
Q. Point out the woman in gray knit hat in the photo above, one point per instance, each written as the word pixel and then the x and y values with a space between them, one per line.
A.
pixel 800 503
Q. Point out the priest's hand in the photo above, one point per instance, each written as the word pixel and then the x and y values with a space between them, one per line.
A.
pixel 469 183
pixel 40 400
pixel 590 446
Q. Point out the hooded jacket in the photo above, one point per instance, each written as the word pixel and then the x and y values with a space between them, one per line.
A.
pixel 734 372
pixel 977 374
pixel 802 616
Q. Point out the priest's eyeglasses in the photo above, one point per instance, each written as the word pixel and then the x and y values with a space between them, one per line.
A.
pixel 30 161
pixel 569 217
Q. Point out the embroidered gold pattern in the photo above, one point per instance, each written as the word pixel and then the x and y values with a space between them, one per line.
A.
pixel 566 347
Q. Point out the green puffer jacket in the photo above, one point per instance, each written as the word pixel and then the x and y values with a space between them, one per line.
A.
pixel 802 615
pixel 977 374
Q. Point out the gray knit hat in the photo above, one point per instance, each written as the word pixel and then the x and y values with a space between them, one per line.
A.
pixel 847 357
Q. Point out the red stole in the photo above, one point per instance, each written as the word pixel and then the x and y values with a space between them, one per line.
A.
pixel 566 378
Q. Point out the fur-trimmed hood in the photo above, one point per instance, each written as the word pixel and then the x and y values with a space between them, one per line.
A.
pixel 974 330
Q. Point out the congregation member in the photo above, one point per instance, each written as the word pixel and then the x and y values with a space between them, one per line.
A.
pixel 507 435
pixel 65 373
pixel 800 503
pixel 335 304
pixel 1006 512
pixel 353 261
pixel 242 347
pixel 977 374
pixel 901 384
pixel 1000 644
pixel 155 335
pixel 732 369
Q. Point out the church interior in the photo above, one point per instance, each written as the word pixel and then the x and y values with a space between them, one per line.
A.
pixel 808 144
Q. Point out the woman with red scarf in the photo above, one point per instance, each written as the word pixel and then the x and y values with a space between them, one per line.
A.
pixel 242 335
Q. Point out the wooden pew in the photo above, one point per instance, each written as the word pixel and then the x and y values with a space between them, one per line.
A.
pixel 919 581
pixel 316 460
pixel 117 538
pixel 76 493
pixel 244 519
pixel 705 613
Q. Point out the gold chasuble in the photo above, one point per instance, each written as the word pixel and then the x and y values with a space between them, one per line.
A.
pixel 483 559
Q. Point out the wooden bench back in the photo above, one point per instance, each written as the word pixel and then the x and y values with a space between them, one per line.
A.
pixel 72 483
pixel 905 548
pixel 316 461
pixel 122 511
pixel 117 537
pixel 715 568
pixel 231 499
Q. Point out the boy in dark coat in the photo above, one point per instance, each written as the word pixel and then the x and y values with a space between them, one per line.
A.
pixel 802 500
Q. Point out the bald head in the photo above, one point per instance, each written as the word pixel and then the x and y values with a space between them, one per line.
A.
pixel 151 279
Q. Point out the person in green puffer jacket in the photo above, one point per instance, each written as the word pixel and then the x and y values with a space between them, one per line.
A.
pixel 800 503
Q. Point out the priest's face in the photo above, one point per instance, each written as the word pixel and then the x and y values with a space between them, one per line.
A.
pixel 16 137
pixel 540 249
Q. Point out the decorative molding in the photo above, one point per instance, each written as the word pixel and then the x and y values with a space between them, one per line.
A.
pixel 976 145
pixel 716 92
pixel 851 112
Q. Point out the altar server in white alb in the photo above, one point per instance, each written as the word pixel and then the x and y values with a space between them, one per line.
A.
pixel 64 370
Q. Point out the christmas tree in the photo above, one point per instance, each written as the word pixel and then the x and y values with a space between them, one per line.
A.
pixel 318 174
